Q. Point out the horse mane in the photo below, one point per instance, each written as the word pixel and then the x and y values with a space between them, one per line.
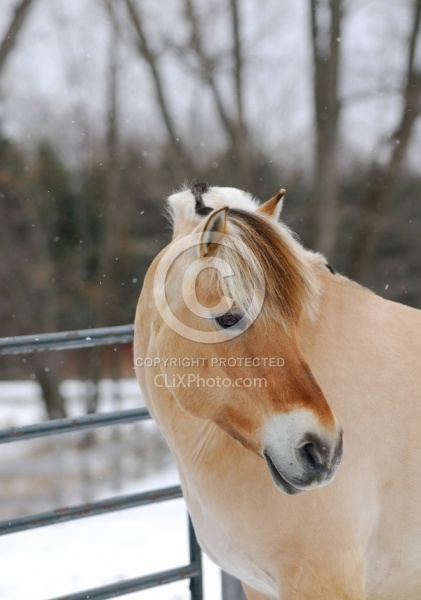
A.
pixel 291 285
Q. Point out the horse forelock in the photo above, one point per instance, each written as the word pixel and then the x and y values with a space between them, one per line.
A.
pixel 290 283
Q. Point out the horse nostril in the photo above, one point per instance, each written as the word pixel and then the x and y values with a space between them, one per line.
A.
pixel 312 456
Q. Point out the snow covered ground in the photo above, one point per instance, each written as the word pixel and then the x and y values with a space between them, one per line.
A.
pixel 52 561
pixel 75 556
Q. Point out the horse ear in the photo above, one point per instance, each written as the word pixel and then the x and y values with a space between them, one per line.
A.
pixel 273 207
pixel 215 224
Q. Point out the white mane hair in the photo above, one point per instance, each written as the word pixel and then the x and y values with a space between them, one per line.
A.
pixel 291 282
pixel 181 205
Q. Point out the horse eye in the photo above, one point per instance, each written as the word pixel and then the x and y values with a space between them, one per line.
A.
pixel 228 320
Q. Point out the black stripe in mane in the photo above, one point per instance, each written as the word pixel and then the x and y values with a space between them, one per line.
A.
pixel 197 189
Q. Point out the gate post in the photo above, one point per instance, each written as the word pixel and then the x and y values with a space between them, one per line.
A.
pixel 231 588
pixel 196 583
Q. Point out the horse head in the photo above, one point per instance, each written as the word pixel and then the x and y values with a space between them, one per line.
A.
pixel 231 291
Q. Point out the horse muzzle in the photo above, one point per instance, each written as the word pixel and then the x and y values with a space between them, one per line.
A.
pixel 299 462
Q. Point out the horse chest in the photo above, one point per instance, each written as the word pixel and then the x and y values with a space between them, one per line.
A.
pixel 227 549
pixel 393 568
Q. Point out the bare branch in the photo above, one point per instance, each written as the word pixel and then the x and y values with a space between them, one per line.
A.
pixel 413 39
pixel 364 95
pixel 208 69
pixel 11 35
pixel 152 61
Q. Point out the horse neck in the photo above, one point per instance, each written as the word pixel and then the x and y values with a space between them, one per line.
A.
pixel 354 336
pixel 193 441
pixel 345 310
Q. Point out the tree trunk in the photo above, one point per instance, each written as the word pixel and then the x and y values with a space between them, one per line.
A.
pixel 240 133
pixel 326 58
pixel 49 381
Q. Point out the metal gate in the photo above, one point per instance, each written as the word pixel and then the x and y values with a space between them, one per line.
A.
pixel 84 339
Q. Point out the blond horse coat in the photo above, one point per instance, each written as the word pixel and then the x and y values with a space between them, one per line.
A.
pixel 257 464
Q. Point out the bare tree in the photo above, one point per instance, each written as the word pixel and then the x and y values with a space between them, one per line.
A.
pixel 152 61
pixel 233 122
pixel 326 59
pixel 207 68
pixel 25 283
pixel 380 197
pixel 109 242
pixel 10 37
pixel 32 285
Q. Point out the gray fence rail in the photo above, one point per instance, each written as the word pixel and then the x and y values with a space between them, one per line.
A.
pixel 84 339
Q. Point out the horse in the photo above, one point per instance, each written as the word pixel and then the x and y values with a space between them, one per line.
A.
pixel 289 396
